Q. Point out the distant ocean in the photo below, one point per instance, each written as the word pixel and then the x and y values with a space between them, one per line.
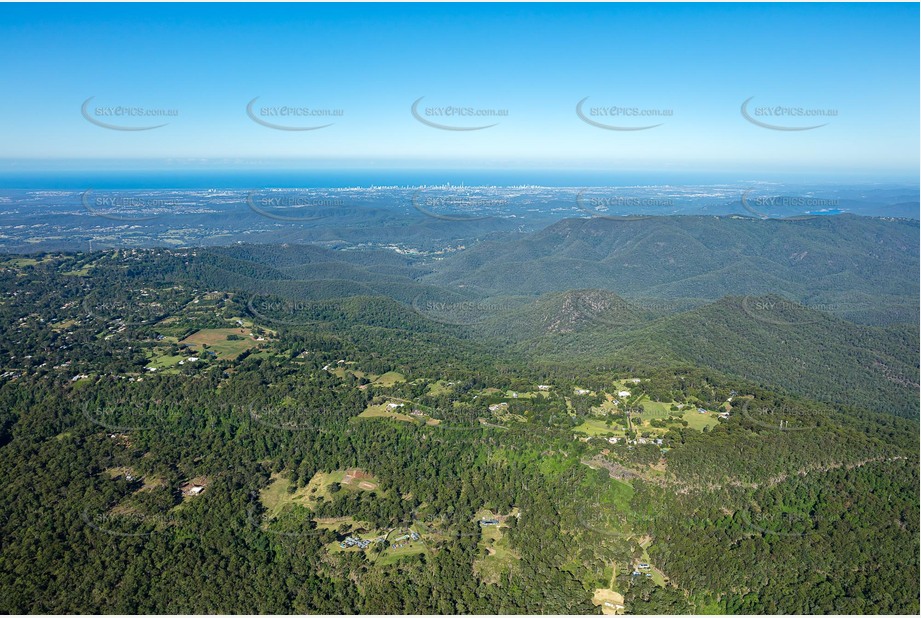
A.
pixel 260 177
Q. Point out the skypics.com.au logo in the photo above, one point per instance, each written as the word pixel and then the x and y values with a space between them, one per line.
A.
pixel 781 115
pixel 604 204
pixel 789 207
pixel 128 206
pixel 450 117
pixel 615 116
pixel 119 117
pixel 292 206
pixel 290 117
pixel 459 204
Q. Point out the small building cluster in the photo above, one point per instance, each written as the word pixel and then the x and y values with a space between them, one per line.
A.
pixel 192 489
pixel 641 569
pixel 353 541
pixel 616 439
pixel 405 539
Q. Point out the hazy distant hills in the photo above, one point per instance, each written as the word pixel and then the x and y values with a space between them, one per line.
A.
pixel 37 223
pixel 311 273
pixel 860 268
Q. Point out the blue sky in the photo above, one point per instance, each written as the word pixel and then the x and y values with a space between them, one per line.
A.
pixel 537 61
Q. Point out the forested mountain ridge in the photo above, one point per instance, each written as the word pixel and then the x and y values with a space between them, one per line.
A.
pixel 170 443
pixel 766 339
pixel 859 268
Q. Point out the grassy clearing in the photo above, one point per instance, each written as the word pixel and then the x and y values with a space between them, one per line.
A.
pixel 662 410
pixel 499 557
pixel 265 354
pixel 617 496
pixel 596 427
pixel 217 341
pixel 523 394
pixel 188 489
pixel 20 262
pixel 608 601
pixel 382 411
pixel 606 407
pixel 391 556
pixel 334 523
pixel 698 421
pixel 80 272
pixel 652 410
pixel 357 479
pixel 402 548
pixel 81 383
pixel 341 371
pixel 276 495
pixel 59 326
pixel 399 544
pixel 353 479
pixel 241 321
pixel 160 360
pixel 153 482
pixel 658 578
pixel 626 384
pixel 655 409
pixel 612 511
pixel 391 378
pixel 122 471
pixel 439 388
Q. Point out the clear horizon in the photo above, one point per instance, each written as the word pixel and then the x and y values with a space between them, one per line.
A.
pixel 567 87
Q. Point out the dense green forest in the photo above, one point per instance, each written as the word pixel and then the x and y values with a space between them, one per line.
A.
pixel 859 268
pixel 203 431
